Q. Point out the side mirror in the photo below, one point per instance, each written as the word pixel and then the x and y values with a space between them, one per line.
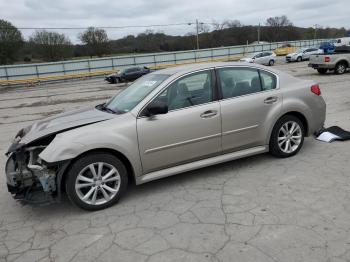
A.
pixel 156 108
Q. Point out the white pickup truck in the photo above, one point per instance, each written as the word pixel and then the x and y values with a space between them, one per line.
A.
pixel 337 62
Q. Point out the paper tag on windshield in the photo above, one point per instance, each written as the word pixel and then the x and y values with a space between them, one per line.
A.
pixel 149 83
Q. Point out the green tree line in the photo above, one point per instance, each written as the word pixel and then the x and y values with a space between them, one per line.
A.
pixel 52 46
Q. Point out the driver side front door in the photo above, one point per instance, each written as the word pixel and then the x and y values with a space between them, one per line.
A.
pixel 191 130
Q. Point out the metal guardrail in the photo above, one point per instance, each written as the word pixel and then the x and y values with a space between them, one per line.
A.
pixel 92 67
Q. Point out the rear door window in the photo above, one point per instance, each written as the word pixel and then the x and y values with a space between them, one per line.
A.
pixel 239 81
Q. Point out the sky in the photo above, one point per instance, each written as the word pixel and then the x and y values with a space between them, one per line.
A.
pixel 84 13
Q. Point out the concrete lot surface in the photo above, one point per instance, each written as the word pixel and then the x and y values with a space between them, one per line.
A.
pixel 255 209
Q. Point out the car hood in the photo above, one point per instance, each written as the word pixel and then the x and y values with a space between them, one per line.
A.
pixel 62 122
pixel 292 54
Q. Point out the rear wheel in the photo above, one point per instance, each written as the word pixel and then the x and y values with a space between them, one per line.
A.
pixel 340 68
pixel 287 137
pixel 271 62
pixel 96 181
pixel 322 71
pixel 299 59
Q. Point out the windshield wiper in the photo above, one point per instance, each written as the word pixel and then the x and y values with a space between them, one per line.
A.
pixel 103 107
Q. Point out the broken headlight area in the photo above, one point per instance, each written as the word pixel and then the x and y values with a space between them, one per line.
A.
pixel 29 178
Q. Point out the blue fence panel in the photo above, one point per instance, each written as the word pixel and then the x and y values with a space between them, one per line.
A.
pixel 163 59
pixel 50 69
pixel 204 55
pixel 3 73
pixel 20 72
pixel 185 57
pixel 100 65
pixel 122 62
pixel 76 67
pixel 219 53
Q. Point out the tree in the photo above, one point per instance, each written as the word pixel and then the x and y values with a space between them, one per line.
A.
pixel 226 24
pixel 278 21
pixel 10 42
pixel 96 41
pixel 51 46
pixel 279 28
pixel 203 28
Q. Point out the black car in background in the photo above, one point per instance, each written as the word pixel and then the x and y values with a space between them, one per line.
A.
pixel 128 74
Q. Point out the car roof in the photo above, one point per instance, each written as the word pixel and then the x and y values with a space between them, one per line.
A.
pixel 183 69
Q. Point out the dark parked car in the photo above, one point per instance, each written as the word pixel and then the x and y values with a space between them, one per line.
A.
pixel 128 74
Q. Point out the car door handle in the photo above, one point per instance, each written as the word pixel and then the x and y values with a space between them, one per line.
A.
pixel 271 100
pixel 209 113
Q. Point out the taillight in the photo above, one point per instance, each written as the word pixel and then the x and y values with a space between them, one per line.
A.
pixel 316 89
pixel 327 59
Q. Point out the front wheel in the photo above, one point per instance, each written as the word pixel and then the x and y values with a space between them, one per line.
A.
pixel 299 59
pixel 287 137
pixel 271 62
pixel 96 181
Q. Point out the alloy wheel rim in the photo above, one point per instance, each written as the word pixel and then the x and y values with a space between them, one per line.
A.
pixel 289 137
pixel 341 69
pixel 97 183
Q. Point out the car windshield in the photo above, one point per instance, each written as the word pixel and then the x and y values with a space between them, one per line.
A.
pixel 128 98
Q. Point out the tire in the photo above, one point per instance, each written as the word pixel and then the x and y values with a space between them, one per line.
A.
pixel 116 81
pixel 81 182
pixel 299 59
pixel 322 71
pixel 271 62
pixel 340 68
pixel 291 145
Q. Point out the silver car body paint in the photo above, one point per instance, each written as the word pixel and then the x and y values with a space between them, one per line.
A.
pixel 181 140
pixel 64 121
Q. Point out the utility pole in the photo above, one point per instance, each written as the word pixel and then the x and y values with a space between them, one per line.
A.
pixel 259 34
pixel 315 32
pixel 197 29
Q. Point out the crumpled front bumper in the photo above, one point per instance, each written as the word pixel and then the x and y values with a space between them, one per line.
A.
pixel 27 180
pixel 11 173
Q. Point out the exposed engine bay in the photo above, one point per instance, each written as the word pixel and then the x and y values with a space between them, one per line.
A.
pixel 29 178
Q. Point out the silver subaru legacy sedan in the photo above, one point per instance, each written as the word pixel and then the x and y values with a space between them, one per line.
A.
pixel 167 122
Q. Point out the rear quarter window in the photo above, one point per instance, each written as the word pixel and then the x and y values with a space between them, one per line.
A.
pixel 268 80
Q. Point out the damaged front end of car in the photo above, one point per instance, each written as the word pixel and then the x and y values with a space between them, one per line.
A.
pixel 29 178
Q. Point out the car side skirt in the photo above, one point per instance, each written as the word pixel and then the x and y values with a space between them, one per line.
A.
pixel 200 164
